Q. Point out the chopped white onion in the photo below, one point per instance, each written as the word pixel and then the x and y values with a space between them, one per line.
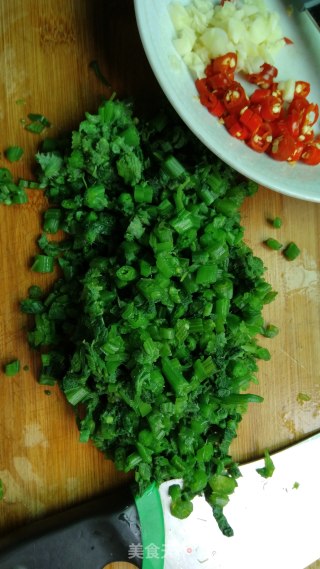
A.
pixel 207 30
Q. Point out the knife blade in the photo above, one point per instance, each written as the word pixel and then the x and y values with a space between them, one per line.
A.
pixel 311 9
pixel 274 522
pixel 314 14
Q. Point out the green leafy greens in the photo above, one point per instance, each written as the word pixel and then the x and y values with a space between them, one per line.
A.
pixel 151 328
pixel 268 469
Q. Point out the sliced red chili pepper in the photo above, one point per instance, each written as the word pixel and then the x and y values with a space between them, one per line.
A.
pixel 225 63
pixel 305 114
pixel 282 147
pixel 311 114
pixel 296 155
pixel 259 95
pixel 288 41
pixel 215 106
pixel 298 104
pixel 261 138
pixel 271 108
pixel 279 127
pixel 292 122
pixel 235 128
pixel 301 89
pixel 263 78
pixel 250 119
pixel 311 153
pixel 235 98
pixel 202 88
pixel 263 121
pixel 306 135
pixel 219 82
pixel 209 99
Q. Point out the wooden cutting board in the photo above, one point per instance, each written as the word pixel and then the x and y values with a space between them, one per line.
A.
pixel 46 47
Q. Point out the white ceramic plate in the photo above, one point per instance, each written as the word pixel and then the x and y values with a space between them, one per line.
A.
pixel 298 61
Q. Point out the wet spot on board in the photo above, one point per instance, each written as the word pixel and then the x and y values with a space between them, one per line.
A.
pixel 303 277
pixel 33 436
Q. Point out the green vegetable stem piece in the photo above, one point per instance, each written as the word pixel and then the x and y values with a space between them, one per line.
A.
pixel 38 123
pixel 277 222
pixel 12 368
pixel 13 153
pixel 270 331
pixel 291 251
pixel 268 469
pixel 273 244
pixel 51 222
pixel 43 264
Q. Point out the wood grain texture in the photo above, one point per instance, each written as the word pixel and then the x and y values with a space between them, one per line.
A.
pixel 45 50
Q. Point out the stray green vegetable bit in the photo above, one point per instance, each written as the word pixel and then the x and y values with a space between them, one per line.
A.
pixel 43 264
pixel 1 490
pixel 270 331
pixel 38 123
pixel 277 222
pixel 303 397
pixel 273 244
pixel 151 330
pixel 12 368
pixel 291 252
pixel 268 469
pixel 296 486
pixel 13 153
pixel 10 193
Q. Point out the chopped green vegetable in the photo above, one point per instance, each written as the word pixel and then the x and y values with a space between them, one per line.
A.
pixel 270 331
pixel 38 123
pixel 12 368
pixel 273 244
pixel 276 222
pixel 13 153
pixel 52 218
pixel 1 490
pixel 36 117
pixel 10 193
pixel 303 397
pixel 151 330
pixel 43 264
pixel 35 127
pixel 295 486
pixel 268 469
pixel 31 184
pixel 291 252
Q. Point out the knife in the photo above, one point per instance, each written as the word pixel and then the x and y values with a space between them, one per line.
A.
pixel 275 523
pixel 311 8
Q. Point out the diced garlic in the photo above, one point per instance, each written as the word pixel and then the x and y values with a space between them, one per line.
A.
pixel 185 41
pixel 236 30
pixel 195 64
pixel 216 41
pixel 246 27
pixel 287 89
pixel 179 16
